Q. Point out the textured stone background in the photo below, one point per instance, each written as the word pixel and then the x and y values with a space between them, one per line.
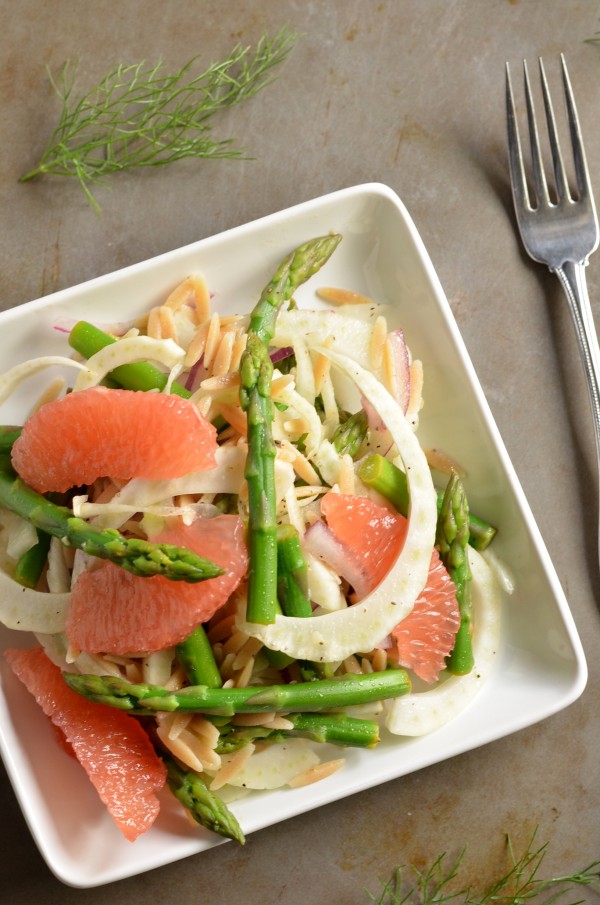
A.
pixel 407 93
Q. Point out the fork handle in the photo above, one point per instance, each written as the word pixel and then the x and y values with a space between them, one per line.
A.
pixel 572 278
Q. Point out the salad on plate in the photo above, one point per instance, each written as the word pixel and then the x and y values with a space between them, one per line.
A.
pixel 233 552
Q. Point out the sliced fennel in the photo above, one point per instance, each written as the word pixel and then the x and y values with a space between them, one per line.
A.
pixel 324 586
pixel 297 405
pixel 126 351
pixel 336 635
pixel 20 534
pixel 226 477
pixel 82 508
pixel 27 610
pixel 11 380
pixel 58 577
pixel 305 378
pixel 57 649
pixel 419 713
pixel 349 334
pixel 275 765
pixel 328 461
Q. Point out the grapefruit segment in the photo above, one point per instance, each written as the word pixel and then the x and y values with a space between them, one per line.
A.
pixel 111 745
pixel 113 611
pixel 424 639
pixel 121 434
pixel 374 535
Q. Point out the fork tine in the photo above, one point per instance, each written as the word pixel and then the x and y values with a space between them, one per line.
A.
pixel 515 155
pixel 563 228
pixel 560 176
pixel 581 170
pixel 539 176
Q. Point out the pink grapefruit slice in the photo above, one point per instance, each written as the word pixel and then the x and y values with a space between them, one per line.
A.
pixel 424 639
pixel 121 434
pixel 112 746
pixel 374 535
pixel 113 611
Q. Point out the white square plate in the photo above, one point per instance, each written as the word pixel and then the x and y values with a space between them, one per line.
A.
pixel 541 667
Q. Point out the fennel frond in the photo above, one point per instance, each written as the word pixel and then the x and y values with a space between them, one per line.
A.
pixel 518 885
pixel 139 116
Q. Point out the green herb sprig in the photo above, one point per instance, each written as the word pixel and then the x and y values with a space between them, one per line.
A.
pixel 138 116
pixel 519 885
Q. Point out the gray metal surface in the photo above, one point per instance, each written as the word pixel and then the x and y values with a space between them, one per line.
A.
pixel 410 94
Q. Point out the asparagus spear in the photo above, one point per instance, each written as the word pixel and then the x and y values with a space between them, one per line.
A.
pixel 30 565
pixel 348 437
pixel 256 371
pixel 481 533
pixel 332 728
pixel 291 571
pixel 197 659
pixel 277 659
pixel 206 808
pixel 322 694
pixel 311 669
pixel 452 539
pixel 295 270
pixel 134 554
pixel 8 435
pixel 87 339
pixel 386 478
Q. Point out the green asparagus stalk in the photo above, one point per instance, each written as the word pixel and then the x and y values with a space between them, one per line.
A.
pixel 322 694
pixel 311 669
pixel 8 435
pixel 291 573
pixel 452 538
pixel 132 553
pixel 205 807
pixel 255 374
pixel 331 728
pixel 277 659
pixel 30 565
pixel 256 370
pixel 295 270
pixel 349 436
pixel 87 339
pixel 481 533
pixel 197 659
pixel 386 478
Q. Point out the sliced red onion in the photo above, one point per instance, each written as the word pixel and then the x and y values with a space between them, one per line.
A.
pixel 380 439
pixel 401 366
pixel 66 324
pixel 280 354
pixel 191 380
pixel 322 543
pixel 373 416
pixel 387 643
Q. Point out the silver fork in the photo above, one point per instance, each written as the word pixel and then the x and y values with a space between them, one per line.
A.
pixel 560 233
